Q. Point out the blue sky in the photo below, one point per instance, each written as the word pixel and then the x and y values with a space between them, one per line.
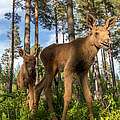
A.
pixel 45 37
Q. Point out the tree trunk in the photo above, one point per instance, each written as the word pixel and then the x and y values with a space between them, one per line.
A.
pixel 105 69
pixel 90 79
pixel 9 57
pixel 55 14
pixel 113 71
pixel 63 30
pixel 109 55
pixel 12 60
pixel 99 90
pixel 27 28
pixel 70 18
pixel 94 78
pixel 36 39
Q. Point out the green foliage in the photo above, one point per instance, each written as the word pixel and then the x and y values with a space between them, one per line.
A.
pixel 77 111
pixel 43 112
pixel 40 65
pixel 14 106
pixel 17 41
pixel 45 14
pixel 110 108
pixel 5 59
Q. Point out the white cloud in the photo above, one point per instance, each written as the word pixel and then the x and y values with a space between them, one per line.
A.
pixel 3 45
pixel 2 31
pixel 5 6
pixel 52 39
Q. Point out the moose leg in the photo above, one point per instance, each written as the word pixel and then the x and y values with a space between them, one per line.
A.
pixel 86 91
pixel 31 92
pixel 68 76
pixel 38 89
pixel 48 93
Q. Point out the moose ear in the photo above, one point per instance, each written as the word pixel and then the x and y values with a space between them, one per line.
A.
pixel 110 23
pixel 37 52
pixel 90 21
pixel 21 52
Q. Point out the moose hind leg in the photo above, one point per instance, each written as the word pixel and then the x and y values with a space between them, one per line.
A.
pixel 68 76
pixel 86 91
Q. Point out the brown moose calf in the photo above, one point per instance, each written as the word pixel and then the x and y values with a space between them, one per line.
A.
pixel 72 58
pixel 27 74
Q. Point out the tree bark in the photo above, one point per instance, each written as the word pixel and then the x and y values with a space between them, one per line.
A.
pixel 12 60
pixel 9 57
pixel 112 70
pixel 36 39
pixel 27 28
pixel 70 18
pixel 55 14
pixel 36 23
pixel 63 30
pixel 94 80
pixel 99 90
pixel 105 69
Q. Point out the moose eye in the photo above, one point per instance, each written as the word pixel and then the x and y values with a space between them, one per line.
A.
pixel 96 33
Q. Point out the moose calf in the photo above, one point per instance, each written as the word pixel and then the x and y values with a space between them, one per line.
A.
pixel 72 58
pixel 27 74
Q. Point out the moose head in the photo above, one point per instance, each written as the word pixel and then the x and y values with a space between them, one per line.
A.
pixel 29 61
pixel 27 72
pixel 100 34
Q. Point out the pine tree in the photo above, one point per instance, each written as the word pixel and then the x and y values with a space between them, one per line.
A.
pixel 12 60
pixel 36 39
pixel 56 22
pixel 6 57
pixel 17 41
pixel 61 16
pixel 70 20
pixel 27 27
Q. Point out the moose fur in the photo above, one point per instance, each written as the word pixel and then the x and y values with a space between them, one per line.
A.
pixel 27 74
pixel 72 58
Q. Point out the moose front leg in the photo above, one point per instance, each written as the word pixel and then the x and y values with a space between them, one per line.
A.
pixel 68 76
pixel 37 92
pixel 86 91
pixel 31 93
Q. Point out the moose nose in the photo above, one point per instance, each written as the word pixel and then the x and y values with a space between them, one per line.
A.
pixel 109 41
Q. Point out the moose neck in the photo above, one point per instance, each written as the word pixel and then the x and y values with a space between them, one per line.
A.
pixel 92 48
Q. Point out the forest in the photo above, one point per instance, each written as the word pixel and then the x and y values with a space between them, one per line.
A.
pixel 69 19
